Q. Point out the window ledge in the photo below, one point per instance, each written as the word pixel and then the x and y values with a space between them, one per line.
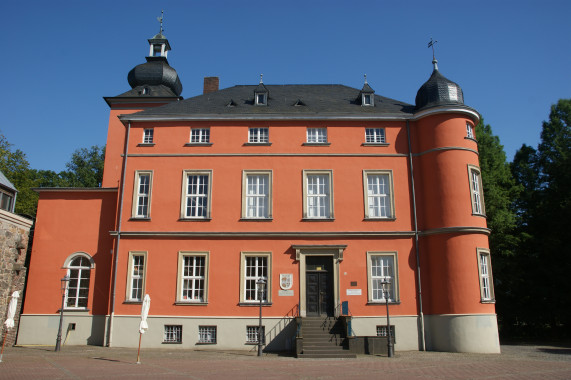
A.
pixel 391 219
pixel 194 219
pixel 382 303
pixel 255 304
pixel 480 215
pixel 205 343
pixel 258 144
pixel 146 144
pixel 75 310
pixel 471 138
pixel 488 301
pixel 375 144
pixel 318 219
pixel 135 219
pixel 256 219
pixel 316 144
pixel 198 144
pixel 171 343
pixel 190 303
pixel 132 302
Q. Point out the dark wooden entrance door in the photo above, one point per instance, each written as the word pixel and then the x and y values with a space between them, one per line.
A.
pixel 319 287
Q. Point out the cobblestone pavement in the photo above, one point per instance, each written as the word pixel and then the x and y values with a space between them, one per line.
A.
pixel 90 362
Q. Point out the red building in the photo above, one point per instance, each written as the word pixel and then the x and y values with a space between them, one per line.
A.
pixel 324 191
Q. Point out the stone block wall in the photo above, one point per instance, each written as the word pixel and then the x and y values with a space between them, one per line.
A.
pixel 14 239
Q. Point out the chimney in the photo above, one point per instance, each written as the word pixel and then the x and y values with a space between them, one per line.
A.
pixel 210 84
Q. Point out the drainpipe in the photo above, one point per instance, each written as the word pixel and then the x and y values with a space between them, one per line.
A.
pixel 120 209
pixel 421 314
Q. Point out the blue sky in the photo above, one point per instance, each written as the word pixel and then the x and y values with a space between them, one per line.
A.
pixel 511 58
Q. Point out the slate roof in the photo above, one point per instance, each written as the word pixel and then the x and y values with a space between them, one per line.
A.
pixel 437 92
pixel 318 101
pixel 4 182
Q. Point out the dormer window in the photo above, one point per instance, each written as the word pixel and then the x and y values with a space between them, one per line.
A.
pixel 367 95
pixel 261 99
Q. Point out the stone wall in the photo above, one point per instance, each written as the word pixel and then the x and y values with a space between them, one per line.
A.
pixel 14 238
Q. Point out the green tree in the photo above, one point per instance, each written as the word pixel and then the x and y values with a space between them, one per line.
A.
pixel 85 168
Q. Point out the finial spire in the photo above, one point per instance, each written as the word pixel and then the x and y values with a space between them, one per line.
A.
pixel 434 61
pixel 366 79
pixel 160 20
pixel 261 78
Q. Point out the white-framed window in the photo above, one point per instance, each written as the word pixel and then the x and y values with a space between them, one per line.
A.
pixel 476 190
pixel 192 282
pixel 382 331
pixel 79 271
pixel 136 276
pixel 470 131
pixel 261 98
pixel 258 135
pixel 148 135
pixel 172 334
pixel 200 135
pixel 142 194
pixel 382 266
pixel 207 334
pixel 253 267
pixel 486 279
pixel 253 333
pixel 317 194
pixel 317 135
pixel 367 99
pixel 257 194
pixel 375 135
pixel 6 201
pixel 379 199
pixel 196 194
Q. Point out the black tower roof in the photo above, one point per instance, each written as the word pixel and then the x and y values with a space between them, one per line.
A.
pixel 438 91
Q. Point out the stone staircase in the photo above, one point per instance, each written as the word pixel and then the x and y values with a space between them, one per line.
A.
pixel 322 338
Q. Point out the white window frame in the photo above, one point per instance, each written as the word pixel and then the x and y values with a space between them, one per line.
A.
pixel 245 277
pixel 193 278
pixel 317 135
pixel 148 136
pixel 200 135
pixel 207 334
pixel 324 199
pixel 261 98
pixel 6 201
pixel 476 190
pixel 487 294
pixel 370 102
pixel 375 293
pixel 470 131
pixel 73 286
pixel 172 334
pixel 256 204
pixel 138 210
pixel 379 205
pixel 375 136
pixel 258 135
pixel 134 277
pixel 186 196
pixel 252 334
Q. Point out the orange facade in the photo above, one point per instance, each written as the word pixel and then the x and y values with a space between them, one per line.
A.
pixel 147 231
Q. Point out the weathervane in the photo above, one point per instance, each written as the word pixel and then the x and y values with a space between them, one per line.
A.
pixel 365 78
pixel 261 78
pixel 431 44
pixel 160 20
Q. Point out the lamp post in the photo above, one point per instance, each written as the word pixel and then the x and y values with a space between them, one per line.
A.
pixel 386 283
pixel 64 282
pixel 261 284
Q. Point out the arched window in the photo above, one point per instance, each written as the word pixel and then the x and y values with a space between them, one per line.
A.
pixel 79 272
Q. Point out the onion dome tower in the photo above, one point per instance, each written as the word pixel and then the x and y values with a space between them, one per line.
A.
pixel 438 91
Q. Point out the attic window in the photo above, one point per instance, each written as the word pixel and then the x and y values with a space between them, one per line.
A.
pixel 145 91
pixel 261 99
pixel 452 92
pixel 299 103
pixel 367 100
pixel 232 103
